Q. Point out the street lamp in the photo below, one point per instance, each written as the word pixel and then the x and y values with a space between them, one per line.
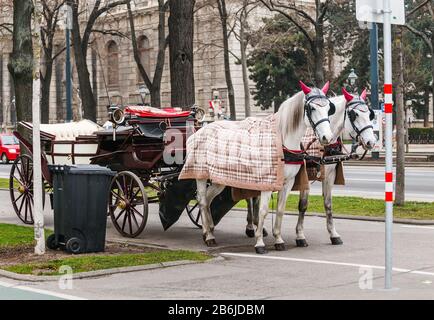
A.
pixel 352 78
pixel 68 72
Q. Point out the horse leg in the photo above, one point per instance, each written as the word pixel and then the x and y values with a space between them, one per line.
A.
pixel 207 222
pixel 253 217
pixel 256 215
pixel 327 186
pixel 212 192
pixel 250 229
pixel 281 206
pixel 263 212
pixel 302 207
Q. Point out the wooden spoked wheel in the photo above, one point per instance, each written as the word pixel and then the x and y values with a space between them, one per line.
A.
pixel 128 204
pixel 21 188
pixel 193 212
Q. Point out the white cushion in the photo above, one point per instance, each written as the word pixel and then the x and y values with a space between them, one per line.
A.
pixel 70 131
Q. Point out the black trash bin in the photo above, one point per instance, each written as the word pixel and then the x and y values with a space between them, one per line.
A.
pixel 80 207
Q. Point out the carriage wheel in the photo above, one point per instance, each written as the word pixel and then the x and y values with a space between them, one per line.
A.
pixel 193 212
pixel 21 188
pixel 128 204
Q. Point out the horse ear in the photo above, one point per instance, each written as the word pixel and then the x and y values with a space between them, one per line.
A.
pixel 326 88
pixel 364 94
pixel 349 97
pixel 305 88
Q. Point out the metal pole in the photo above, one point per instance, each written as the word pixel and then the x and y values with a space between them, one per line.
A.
pixel 68 64
pixel 374 66
pixel 36 118
pixel 388 108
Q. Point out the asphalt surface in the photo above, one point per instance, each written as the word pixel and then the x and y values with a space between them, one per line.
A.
pixel 320 271
pixel 5 170
pixel 365 182
pixel 368 182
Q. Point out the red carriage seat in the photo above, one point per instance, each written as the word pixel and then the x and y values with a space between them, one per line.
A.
pixel 154 113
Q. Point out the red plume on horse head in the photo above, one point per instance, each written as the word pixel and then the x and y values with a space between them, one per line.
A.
pixel 326 88
pixel 364 94
pixel 305 88
pixel 348 96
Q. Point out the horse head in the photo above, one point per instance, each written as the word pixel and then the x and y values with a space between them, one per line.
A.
pixel 318 109
pixel 359 119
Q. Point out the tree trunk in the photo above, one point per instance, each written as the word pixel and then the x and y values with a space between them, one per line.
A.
pixel 153 85
pixel 80 51
pixel 432 71
pixel 45 90
pixel 21 64
pixel 181 29
pixel 319 56
pixel 400 126
pixel 243 48
pixel 427 107
pixel 228 75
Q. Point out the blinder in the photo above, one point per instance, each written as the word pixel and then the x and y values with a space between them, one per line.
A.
pixel 332 110
pixel 372 114
pixel 352 116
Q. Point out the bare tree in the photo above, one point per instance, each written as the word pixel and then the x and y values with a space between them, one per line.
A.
pixel 425 7
pixel 310 24
pixel 81 43
pixel 21 63
pixel 181 31
pixel 153 85
pixel 400 120
pixel 51 11
pixel 221 4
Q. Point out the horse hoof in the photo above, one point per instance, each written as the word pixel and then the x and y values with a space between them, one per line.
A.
pixel 264 233
pixel 280 247
pixel 301 243
pixel 337 241
pixel 261 250
pixel 250 233
pixel 211 243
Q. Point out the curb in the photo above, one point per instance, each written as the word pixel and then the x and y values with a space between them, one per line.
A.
pixel 358 218
pixel 103 273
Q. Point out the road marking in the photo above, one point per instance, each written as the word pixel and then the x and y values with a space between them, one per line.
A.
pixel 418 227
pixel 345 264
pixel 40 291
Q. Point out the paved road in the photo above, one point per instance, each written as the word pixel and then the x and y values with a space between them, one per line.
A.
pixel 319 271
pixel 369 182
pixel 5 169
pixel 363 182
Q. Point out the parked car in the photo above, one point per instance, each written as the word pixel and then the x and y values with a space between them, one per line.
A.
pixel 9 148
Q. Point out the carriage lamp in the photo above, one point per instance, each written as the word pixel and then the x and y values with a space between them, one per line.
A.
pixel 352 77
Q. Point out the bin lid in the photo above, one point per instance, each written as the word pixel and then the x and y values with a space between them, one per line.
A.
pixel 82 169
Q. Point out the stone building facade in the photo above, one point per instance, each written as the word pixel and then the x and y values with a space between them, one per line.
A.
pixel 114 73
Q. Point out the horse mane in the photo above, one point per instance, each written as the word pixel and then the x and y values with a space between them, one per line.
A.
pixel 291 113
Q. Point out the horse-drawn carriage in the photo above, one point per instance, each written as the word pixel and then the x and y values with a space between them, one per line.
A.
pixel 139 148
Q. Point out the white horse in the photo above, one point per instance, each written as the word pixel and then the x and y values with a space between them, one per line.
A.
pixel 308 108
pixel 355 117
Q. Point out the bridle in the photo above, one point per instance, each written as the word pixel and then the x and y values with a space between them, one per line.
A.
pixel 308 111
pixel 352 116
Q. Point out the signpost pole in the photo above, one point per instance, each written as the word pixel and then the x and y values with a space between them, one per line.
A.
pixel 68 63
pixel 36 118
pixel 388 109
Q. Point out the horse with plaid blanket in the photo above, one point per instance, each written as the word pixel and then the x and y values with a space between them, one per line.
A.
pixel 308 108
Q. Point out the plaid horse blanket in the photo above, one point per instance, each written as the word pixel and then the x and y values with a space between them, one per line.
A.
pixel 241 154
pixel 315 149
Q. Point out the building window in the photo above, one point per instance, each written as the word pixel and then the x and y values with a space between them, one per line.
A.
pixel 113 64
pixel 145 57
